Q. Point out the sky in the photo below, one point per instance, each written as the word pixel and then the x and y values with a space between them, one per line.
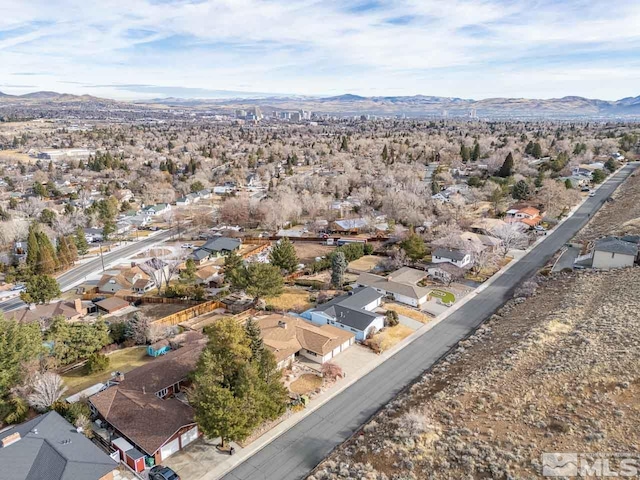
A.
pixel 137 49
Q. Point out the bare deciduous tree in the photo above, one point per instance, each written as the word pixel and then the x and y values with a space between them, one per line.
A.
pixel 47 388
pixel 511 236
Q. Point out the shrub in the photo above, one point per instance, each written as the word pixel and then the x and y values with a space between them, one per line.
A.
pixel 331 371
pixel 97 362
pixel 368 249
pixel 391 319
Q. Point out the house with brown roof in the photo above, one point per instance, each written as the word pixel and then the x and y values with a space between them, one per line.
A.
pixel 145 406
pixel 288 337
pixel 72 311
pixel 124 279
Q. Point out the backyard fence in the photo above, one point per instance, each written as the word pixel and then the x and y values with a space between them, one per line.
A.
pixel 189 313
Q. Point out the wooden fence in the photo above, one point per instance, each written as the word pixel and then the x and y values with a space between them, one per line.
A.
pixel 256 250
pixel 176 301
pixel 191 312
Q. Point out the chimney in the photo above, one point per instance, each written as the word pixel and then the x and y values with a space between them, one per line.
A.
pixel 77 303
pixel 118 377
pixel 144 390
pixel 10 439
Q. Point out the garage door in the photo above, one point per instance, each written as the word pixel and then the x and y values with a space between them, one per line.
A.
pixel 187 437
pixel 169 449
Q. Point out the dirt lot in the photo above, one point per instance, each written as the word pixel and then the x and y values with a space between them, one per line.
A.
pixel 557 372
pixel 308 251
pixel 407 312
pixel 158 310
pixel 622 216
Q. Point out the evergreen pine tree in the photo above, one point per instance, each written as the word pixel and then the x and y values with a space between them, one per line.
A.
pixel 81 242
pixel 507 167
pixel 47 259
pixel 475 153
pixel 254 334
pixel 283 255
pixel 32 247
pixel 63 252
pixel 338 267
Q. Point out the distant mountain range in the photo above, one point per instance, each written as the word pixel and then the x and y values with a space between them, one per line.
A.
pixel 412 106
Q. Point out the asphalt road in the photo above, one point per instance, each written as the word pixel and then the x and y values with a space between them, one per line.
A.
pixel 296 452
pixel 76 275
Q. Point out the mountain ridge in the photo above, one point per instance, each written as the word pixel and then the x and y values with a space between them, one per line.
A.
pixel 352 104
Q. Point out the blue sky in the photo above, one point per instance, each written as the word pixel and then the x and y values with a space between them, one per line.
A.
pixel 212 48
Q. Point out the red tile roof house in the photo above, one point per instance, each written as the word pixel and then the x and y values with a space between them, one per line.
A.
pixel 529 216
pixel 142 407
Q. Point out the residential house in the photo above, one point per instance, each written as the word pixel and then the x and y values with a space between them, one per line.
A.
pixel 445 272
pixel 115 280
pixel 288 337
pixel 480 241
pixel 220 246
pixel 43 313
pixel 486 226
pixel 528 216
pixel 48 447
pixel 199 256
pixel 20 250
pixel 587 169
pixel 402 285
pixel 157 209
pixel 611 252
pixel 223 190
pixel 204 194
pixel 183 201
pixel 92 235
pixel 146 408
pixel 353 312
pixel 209 276
pixel 451 255
pixel 349 225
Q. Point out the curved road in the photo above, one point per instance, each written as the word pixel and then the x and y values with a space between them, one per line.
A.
pixel 296 452
pixel 76 275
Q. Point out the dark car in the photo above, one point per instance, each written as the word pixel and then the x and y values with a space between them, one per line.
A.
pixel 162 473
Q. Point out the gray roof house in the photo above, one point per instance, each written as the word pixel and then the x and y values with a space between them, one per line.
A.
pixel 457 257
pixel 402 285
pixel 222 245
pixel 611 252
pixel 353 312
pixel 50 448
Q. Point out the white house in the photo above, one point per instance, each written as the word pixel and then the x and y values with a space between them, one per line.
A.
pixel 614 252
pixel 158 209
pixel 353 312
pixel 453 256
pixel 93 235
pixel 183 201
pixel 402 285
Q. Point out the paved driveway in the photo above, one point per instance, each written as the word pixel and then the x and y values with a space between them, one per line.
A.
pixel 296 452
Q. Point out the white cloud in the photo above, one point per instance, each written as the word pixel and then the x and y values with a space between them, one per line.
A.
pixel 478 48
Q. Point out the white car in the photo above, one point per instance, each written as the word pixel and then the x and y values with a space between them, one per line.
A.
pixel 592 194
pixel 186 245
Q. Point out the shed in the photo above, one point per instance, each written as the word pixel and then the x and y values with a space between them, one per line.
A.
pixel 129 454
pixel 112 304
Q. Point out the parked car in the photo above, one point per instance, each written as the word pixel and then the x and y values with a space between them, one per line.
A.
pixel 162 473
pixel 17 287
pixel 186 245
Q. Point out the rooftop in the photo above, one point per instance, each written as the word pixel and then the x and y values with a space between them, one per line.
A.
pixel 50 448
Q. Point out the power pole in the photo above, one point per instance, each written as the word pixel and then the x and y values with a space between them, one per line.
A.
pixel 101 257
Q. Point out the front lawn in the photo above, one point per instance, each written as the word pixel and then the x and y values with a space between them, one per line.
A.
pixel 445 297
pixel 389 337
pixel 407 312
pixel 123 361
pixel 306 384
